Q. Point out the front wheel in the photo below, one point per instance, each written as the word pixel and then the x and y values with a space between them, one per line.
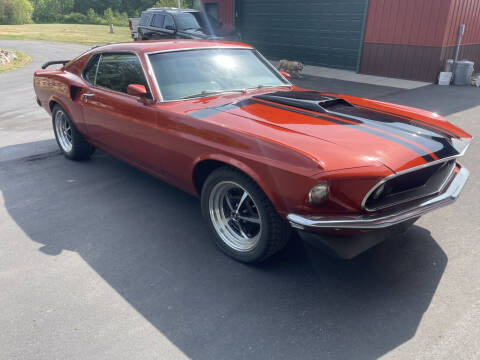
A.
pixel 69 140
pixel 243 220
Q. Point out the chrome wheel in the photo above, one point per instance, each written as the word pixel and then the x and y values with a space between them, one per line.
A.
pixel 235 216
pixel 64 131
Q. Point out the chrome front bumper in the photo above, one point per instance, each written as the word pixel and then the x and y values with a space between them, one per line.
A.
pixel 385 219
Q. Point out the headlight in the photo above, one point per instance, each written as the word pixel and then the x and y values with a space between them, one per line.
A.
pixel 318 193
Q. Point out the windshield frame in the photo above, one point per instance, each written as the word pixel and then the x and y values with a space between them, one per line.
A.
pixel 151 71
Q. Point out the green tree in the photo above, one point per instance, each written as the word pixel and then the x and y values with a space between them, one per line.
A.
pixel 108 15
pixel 15 11
pixel 51 10
pixel 174 3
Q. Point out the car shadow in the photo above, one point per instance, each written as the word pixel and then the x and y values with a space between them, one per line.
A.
pixel 148 241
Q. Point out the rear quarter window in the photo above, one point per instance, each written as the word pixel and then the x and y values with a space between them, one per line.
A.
pixel 90 70
pixel 117 71
pixel 145 19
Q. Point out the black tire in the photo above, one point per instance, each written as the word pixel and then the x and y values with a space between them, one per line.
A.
pixel 80 148
pixel 274 232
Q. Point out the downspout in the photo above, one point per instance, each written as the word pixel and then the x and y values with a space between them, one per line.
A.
pixel 362 35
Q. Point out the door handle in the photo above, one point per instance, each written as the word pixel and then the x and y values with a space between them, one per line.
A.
pixel 87 95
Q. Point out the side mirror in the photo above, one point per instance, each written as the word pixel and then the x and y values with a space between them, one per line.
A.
pixel 170 27
pixel 285 74
pixel 137 90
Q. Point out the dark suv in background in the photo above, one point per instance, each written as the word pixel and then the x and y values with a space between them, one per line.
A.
pixel 173 23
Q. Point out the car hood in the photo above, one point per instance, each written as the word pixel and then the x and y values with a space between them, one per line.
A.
pixel 365 131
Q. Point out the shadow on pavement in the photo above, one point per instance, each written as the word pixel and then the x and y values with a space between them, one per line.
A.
pixel 148 241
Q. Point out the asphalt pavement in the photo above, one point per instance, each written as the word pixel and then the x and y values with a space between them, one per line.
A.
pixel 101 261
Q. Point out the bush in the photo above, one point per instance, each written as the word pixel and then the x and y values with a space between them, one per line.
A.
pixel 15 12
pixel 75 18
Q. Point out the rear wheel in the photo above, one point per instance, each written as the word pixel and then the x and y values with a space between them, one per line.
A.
pixel 245 224
pixel 69 140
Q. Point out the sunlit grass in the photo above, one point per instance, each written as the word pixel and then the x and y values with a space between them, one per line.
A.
pixel 73 33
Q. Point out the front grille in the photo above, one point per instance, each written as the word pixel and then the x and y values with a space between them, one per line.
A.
pixel 410 186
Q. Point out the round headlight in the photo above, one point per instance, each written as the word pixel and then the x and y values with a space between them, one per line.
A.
pixel 318 194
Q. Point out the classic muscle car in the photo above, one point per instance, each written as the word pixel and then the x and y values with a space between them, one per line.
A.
pixel 265 157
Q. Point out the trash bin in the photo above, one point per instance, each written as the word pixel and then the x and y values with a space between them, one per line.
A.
pixel 448 66
pixel 463 73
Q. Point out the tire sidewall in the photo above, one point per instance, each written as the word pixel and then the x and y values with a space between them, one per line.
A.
pixel 56 109
pixel 262 246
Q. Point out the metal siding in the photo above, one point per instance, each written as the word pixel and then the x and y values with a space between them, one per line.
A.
pixel 463 12
pixel 319 32
pixel 407 22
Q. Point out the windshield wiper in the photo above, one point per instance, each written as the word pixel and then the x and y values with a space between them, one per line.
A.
pixel 212 92
pixel 261 86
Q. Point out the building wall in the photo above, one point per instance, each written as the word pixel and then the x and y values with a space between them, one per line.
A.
pixel 412 39
pixel 316 32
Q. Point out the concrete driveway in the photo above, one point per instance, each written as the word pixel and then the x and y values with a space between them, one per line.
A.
pixel 99 260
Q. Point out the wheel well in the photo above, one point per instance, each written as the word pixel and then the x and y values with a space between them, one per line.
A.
pixel 51 104
pixel 202 170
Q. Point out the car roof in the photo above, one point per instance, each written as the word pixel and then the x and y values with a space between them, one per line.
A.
pixel 168 45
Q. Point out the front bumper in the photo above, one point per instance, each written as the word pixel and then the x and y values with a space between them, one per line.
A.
pixel 384 220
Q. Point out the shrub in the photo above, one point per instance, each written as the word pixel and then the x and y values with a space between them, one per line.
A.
pixel 75 18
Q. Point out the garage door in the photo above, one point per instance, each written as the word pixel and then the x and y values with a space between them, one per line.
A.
pixel 317 32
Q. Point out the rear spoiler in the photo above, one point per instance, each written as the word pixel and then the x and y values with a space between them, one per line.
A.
pixel 48 63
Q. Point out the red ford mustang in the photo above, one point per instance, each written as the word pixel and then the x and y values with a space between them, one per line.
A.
pixel 218 121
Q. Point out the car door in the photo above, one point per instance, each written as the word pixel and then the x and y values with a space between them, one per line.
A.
pixel 169 27
pixel 155 28
pixel 120 123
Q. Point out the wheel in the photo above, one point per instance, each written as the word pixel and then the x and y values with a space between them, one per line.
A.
pixel 243 220
pixel 69 140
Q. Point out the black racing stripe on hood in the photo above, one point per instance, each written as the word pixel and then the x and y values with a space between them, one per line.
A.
pixel 420 123
pixel 425 155
pixel 207 112
pixel 438 143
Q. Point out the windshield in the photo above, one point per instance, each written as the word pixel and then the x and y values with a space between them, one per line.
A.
pixel 182 74
pixel 186 21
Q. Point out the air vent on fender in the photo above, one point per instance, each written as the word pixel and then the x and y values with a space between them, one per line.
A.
pixel 308 100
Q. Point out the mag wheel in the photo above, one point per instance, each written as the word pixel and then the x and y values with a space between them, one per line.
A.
pixel 63 131
pixel 235 216
pixel 245 224
pixel 70 141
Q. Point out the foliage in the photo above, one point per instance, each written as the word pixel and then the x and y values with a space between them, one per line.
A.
pixel 173 3
pixel 15 12
pixel 80 11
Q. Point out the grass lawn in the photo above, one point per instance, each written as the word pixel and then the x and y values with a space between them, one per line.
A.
pixel 21 60
pixel 73 33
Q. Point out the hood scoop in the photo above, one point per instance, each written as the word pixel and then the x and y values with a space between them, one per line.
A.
pixel 308 100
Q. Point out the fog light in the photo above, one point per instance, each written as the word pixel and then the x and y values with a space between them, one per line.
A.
pixel 318 194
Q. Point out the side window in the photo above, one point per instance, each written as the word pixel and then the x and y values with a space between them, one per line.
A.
pixel 145 19
pixel 117 71
pixel 158 20
pixel 90 70
pixel 168 21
